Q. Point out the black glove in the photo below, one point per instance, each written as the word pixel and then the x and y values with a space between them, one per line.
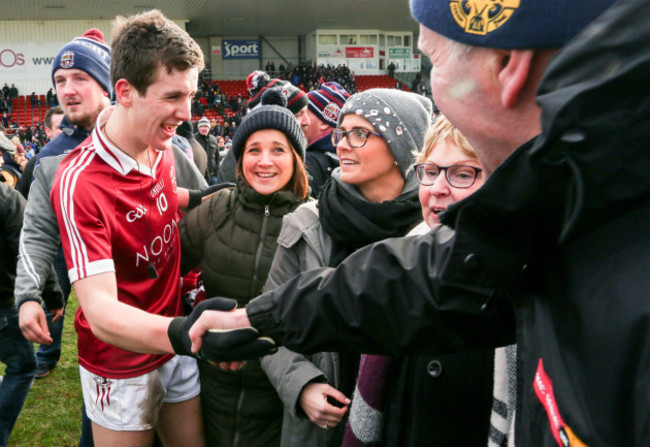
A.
pixel 196 195
pixel 218 345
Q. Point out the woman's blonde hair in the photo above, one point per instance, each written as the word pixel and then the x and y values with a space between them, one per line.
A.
pixel 443 130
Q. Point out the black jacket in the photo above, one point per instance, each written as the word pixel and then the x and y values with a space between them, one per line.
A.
pixel 559 233
pixel 320 161
pixel 211 146
pixel 12 207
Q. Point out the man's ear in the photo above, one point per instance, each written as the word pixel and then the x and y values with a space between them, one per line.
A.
pixel 123 92
pixel 323 127
pixel 515 70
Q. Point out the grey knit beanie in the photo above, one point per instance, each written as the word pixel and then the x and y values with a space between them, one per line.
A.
pixel 400 117
pixel 272 114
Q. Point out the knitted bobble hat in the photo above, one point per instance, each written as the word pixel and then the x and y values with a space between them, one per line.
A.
pixel 326 102
pixel 258 82
pixel 400 117
pixel 88 53
pixel 271 114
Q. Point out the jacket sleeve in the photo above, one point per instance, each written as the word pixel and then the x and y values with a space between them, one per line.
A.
pixel 195 227
pixel 392 298
pixel 288 371
pixel 214 155
pixel 11 218
pixel 316 171
pixel 187 174
pixel 39 240
pixel 228 168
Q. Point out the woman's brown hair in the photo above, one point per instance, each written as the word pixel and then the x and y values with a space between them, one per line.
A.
pixel 298 183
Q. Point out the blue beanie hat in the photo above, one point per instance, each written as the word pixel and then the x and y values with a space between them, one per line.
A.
pixel 87 53
pixel 508 24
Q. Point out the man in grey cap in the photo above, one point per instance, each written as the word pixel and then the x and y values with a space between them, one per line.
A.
pixel 552 252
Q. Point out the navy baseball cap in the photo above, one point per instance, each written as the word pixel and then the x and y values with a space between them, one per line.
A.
pixel 508 24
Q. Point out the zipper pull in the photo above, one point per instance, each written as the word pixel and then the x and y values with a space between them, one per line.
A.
pixel 266 210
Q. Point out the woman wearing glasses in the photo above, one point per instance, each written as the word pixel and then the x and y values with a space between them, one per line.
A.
pixel 373 195
pixel 440 400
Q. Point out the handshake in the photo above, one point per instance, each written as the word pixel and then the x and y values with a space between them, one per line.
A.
pixel 226 341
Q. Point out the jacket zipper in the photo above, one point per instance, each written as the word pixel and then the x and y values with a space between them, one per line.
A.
pixel 240 404
pixel 258 252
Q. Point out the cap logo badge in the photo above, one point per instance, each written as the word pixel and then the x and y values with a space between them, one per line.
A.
pixel 331 112
pixel 482 16
pixel 67 59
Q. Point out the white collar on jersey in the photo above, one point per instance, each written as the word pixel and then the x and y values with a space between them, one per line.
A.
pixel 113 155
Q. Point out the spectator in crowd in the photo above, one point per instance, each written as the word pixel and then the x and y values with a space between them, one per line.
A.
pixel 5 90
pixel 13 92
pixel 29 133
pixel 15 352
pixel 257 83
pixel 324 107
pixel 84 89
pixel 391 69
pixel 10 161
pixel 5 119
pixel 49 98
pixel 536 237
pixel 415 403
pixel 34 100
pixel 211 148
pixel 372 195
pixel 221 142
pixel 20 156
pixel 4 105
pixel 198 109
pixel 53 119
pixel 199 155
pixel 216 128
pixel 233 238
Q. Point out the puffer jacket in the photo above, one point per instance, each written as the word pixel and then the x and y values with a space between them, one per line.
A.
pixel 233 237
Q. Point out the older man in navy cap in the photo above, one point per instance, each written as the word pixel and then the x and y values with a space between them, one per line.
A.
pixel 551 96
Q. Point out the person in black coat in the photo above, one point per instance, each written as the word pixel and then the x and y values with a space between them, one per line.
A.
pixel 211 147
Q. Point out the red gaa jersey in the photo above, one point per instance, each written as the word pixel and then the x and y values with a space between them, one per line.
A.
pixel 116 215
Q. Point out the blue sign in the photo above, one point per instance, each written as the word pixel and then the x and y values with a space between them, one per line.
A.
pixel 240 49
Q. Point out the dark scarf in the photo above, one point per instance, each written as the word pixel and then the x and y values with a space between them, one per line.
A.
pixel 353 222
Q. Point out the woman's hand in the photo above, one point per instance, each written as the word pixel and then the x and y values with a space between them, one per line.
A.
pixel 314 402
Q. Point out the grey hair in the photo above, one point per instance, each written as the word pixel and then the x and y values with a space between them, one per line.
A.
pixel 458 49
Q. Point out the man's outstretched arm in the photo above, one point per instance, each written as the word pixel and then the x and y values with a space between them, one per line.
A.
pixel 392 297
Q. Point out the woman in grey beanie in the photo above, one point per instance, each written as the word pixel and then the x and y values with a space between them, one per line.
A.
pixel 232 236
pixel 373 195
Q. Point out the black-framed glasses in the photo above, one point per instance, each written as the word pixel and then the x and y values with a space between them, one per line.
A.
pixel 458 176
pixel 356 137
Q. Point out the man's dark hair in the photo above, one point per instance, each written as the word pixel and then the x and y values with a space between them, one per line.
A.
pixel 48 115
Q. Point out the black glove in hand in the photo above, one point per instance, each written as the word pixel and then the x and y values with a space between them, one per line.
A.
pixel 197 195
pixel 218 345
